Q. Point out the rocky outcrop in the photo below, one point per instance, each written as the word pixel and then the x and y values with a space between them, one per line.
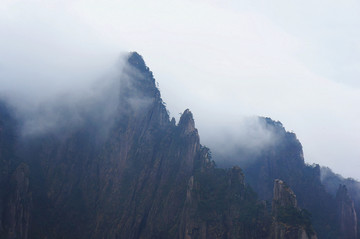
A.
pixel 332 181
pixel 219 205
pixel 134 175
pixel 346 214
pixel 284 160
pixel 186 123
pixel 129 183
pixel 283 196
pixel 132 184
pixel 290 222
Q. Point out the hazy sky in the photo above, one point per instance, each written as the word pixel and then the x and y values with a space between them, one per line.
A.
pixel 294 61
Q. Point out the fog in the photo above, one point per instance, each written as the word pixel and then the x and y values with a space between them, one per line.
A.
pixel 241 139
pixel 94 103
pixel 227 61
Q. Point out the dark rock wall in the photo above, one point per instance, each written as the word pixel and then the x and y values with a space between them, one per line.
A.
pixel 285 161
pixel 205 214
pixel 137 174
pixel 289 220
pixel 347 214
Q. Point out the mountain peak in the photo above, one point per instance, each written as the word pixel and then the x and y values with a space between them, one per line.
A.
pixel 187 122
pixel 283 195
pixel 285 209
pixel 140 82
pixel 137 61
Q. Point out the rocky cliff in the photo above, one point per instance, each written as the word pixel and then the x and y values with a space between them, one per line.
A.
pixel 17 209
pixel 347 214
pixel 134 175
pixel 15 195
pixel 125 170
pixel 205 215
pixel 283 197
pixel 289 220
pixel 332 181
pixel 284 160
pixel 130 184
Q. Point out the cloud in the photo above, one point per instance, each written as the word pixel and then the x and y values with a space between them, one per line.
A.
pixel 240 141
pixel 46 50
pixel 95 103
pixel 294 62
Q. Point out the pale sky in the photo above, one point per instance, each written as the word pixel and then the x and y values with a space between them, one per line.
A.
pixel 294 61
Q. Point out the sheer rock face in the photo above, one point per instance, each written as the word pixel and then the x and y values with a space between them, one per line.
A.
pixel 129 183
pixel 346 213
pixel 332 181
pixel 132 185
pixel 17 213
pixel 285 209
pixel 219 205
pixel 187 123
pixel 283 196
pixel 15 195
pixel 284 160
pixel 142 177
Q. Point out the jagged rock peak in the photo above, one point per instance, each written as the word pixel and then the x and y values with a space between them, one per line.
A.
pixel 284 140
pixel 276 127
pixel 283 195
pixel 271 122
pixel 173 121
pixel 187 123
pixel 139 81
pixel 285 209
pixel 137 61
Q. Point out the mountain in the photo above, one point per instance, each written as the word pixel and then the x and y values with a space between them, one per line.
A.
pixel 347 213
pixel 284 160
pixel 119 167
pixel 334 183
pixel 128 179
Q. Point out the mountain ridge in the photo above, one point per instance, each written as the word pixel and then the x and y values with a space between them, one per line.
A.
pixel 146 177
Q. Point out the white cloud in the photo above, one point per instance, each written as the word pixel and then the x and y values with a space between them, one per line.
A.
pixel 297 62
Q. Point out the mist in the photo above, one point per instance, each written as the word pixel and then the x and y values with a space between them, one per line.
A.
pixel 227 62
pixel 53 96
pixel 240 141
pixel 91 102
